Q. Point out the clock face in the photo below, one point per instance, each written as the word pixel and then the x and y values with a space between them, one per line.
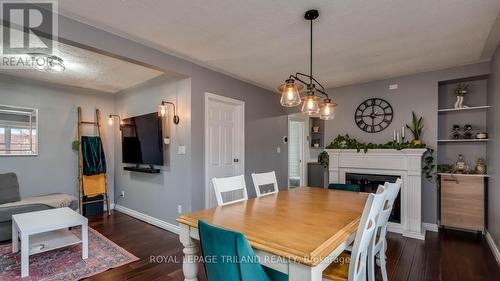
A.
pixel 373 115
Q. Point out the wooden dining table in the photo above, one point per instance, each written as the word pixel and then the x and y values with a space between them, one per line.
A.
pixel 298 232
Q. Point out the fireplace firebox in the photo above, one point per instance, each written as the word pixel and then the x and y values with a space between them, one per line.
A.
pixel 369 183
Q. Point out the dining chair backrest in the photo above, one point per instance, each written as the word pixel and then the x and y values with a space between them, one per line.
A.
pixel 345 186
pixel 265 179
pixel 364 235
pixel 392 191
pixel 232 188
pixel 228 255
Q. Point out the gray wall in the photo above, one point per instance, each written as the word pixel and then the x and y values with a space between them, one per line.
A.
pixel 55 169
pixel 417 93
pixel 266 122
pixel 494 149
pixel 157 195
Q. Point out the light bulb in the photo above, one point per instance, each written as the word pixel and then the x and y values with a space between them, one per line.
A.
pixel 310 106
pixel 290 93
pixel 327 110
pixel 110 120
pixel 162 110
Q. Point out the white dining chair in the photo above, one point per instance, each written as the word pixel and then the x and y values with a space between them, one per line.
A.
pixel 265 179
pixel 353 266
pixel 379 244
pixel 230 188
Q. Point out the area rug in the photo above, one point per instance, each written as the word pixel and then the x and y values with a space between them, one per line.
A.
pixel 65 264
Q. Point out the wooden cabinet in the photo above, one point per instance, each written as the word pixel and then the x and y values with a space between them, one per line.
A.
pixel 462 201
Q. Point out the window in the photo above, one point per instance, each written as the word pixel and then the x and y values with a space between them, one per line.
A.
pixel 2 139
pixel 18 134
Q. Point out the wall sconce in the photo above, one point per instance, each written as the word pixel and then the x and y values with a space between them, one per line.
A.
pixel 162 110
pixel 110 120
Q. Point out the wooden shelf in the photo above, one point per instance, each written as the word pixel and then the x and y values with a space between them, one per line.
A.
pixel 464 140
pixel 52 240
pixel 464 109
pixel 463 175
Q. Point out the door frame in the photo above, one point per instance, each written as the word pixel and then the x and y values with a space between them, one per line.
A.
pixel 305 145
pixel 240 122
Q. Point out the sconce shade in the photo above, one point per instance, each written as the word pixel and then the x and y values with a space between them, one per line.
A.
pixel 327 110
pixel 162 110
pixel 110 120
pixel 290 93
pixel 310 106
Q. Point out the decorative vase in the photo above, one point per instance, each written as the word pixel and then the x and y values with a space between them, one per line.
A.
pixel 457 103
pixel 480 166
pixel 460 102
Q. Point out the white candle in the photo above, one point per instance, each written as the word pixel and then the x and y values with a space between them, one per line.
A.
pixel 403 132
pixel 397 137
pixel 394 137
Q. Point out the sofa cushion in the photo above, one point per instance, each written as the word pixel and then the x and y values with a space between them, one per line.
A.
pixel 7 212
pixel 9 188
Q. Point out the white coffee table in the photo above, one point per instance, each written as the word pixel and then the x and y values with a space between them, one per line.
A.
pixel 47 230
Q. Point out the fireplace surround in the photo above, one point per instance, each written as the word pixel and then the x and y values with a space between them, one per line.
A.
pixel 405 164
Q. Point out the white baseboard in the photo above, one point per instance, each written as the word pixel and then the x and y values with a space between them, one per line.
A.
pixel 493 247
pixel 430 227
pixel 111 206
pixel 147 218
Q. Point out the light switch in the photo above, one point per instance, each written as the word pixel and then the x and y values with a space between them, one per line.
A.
pixel 393 87
pixel 278 149
pixel 166 140
pixel 181 149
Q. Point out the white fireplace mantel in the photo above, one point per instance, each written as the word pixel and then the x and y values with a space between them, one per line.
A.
pixel 406 163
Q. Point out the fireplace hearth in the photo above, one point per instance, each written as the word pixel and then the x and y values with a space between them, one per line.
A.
pixel 377 166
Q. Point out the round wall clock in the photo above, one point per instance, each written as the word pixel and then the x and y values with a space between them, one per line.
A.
pixel 374 115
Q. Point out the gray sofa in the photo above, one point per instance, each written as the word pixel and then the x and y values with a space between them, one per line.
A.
pixel 9 192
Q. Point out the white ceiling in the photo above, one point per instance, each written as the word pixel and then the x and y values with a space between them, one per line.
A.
pixel 262 41
pixel 90 70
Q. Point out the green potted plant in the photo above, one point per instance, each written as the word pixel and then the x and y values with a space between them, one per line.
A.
pixel 323 159
pixel 416 128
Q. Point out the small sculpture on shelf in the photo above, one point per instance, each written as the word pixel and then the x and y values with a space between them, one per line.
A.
pixel 455 132
pixel 481 166
pixel 468 131
pixel 460 166
pixel 460 91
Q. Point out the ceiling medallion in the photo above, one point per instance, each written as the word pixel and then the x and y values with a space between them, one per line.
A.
pixel 290 90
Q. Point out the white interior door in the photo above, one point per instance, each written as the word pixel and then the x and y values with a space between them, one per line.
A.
pixel 224 141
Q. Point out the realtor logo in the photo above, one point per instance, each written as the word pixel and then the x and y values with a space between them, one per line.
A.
pixel 28 27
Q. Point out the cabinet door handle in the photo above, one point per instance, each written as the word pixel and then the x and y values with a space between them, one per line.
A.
pixel 451 179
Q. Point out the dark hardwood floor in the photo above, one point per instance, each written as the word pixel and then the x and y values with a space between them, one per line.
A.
pixel 449 255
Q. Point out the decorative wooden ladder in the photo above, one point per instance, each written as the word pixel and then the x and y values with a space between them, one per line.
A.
pixel 96 124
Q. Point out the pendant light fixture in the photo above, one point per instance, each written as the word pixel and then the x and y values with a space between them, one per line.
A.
pixel 290 90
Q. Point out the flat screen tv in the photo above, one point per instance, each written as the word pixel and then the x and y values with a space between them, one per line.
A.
pixel 142 140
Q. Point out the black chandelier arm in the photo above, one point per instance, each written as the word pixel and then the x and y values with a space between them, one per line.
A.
pixel 296 77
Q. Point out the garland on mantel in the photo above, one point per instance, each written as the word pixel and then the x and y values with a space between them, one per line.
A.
pixel 347 142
